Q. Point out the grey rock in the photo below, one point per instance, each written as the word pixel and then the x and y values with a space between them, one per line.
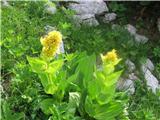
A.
pixel 61 48
pixel 131 29
pixel 132 76
pixel 85 1
pixel 151 80
pixel 126 84
pixel 88 19
pixel 140 38
pixel 86 11
pixel 5 3
pixel 50 8
pixel 85 16
pixel 130 65
pixel 147 65
pixel 91 22
pixel 89 7
pixel 109 17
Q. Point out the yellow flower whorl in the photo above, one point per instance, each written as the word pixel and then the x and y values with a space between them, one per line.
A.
pixel 51 43
pixel 110 56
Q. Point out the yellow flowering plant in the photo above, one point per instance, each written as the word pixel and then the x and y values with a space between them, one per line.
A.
pixel 102 89
pixel 91 90
pixel 48 70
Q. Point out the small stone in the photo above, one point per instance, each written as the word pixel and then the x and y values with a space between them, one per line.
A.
pixel 131 29
pixel 130 65
pixel 140 38
pixel 109 17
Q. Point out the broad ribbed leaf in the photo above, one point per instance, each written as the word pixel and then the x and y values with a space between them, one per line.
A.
pixel 46 105
pixel 54 66
pixel 37 64
pixel 108 111
pixel 112 78
pixel 86 68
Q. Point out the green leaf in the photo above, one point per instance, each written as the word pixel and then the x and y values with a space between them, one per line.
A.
pixel 65 83
pixel 37 64
pixel 108 111
pixel 49 83
pixel 89 106
pixel 74 100
pixel 93 88
pixel 106 94
pixel 46 105
pixel 86 68
pixel 54 66
pixel 8 114
pixel 44 79
pixel 112 78
pixel 51 89
pixel 108 68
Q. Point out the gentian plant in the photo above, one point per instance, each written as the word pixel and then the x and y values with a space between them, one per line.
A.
pixel 79 87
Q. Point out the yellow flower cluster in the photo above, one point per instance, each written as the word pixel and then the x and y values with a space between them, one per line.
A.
pixel 51 43
pixel 110 56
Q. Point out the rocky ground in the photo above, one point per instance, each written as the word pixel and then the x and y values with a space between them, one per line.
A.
pixel 97 12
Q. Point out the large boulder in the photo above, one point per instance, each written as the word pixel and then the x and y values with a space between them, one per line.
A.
pixel 89 7
pixel 86 11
